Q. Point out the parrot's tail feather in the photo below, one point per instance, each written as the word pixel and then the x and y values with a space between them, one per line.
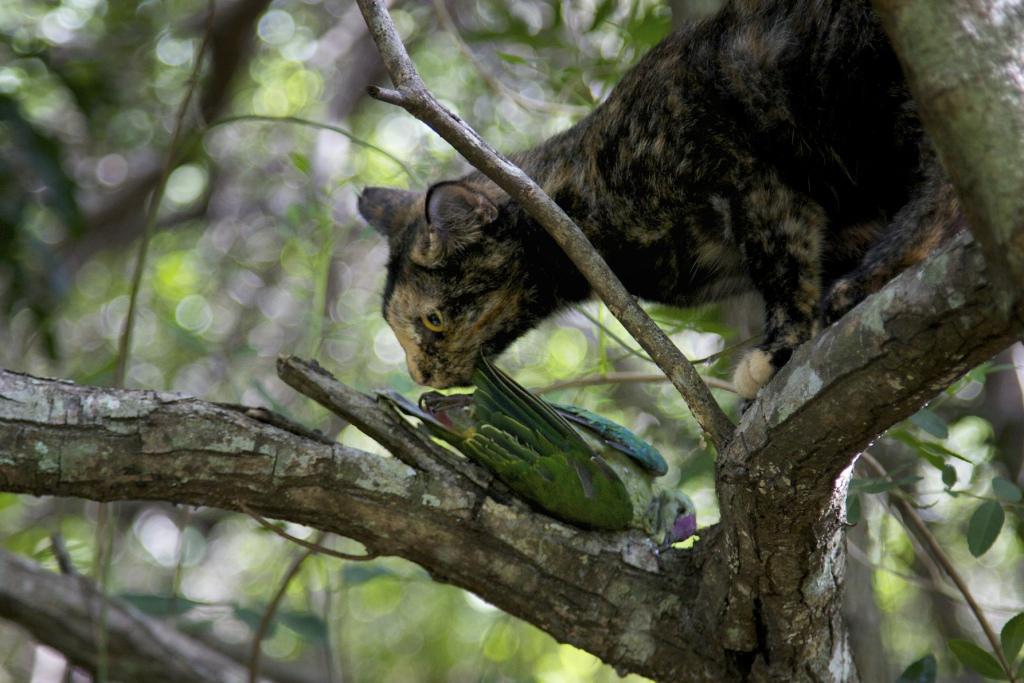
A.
pixel 616 436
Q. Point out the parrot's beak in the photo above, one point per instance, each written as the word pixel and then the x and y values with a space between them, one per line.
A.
pixel 684 527
pixel 677 507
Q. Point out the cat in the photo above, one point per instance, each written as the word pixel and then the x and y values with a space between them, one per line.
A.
pixel 771 147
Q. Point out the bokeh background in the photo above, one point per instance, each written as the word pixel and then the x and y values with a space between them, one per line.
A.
pixel 257 251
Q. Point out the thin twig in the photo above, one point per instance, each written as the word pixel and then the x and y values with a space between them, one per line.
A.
pixel 625 378
pixel 332 640
pixel 917 526
pixel 268 614
pixel 861 557
pixel 614 337
pixel 184 517
pixel 413 96
pixel 647 377
pixel 106 523
pixel 60 553
pixel 124 348
pixel 105 549
pixel 711 358
pixel 493 82
pixel 313 547
pixel 316 124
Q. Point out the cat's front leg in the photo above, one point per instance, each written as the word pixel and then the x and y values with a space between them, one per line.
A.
pixel 779 233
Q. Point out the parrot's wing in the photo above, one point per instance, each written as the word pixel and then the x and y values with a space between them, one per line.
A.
pixel 616 436
pixel 539 455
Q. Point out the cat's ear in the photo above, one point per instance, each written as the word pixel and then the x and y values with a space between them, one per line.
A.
pixel 388 210
pixel 456 215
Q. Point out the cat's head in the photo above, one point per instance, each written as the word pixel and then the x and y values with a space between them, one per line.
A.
pixel 456 285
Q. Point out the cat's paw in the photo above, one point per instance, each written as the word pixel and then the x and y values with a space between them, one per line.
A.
pixel 752 373
pixel 843 295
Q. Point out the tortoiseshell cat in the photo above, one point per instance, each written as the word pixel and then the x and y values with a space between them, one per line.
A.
pixel 773 146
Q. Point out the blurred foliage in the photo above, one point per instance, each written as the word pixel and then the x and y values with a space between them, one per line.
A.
pixel 259 253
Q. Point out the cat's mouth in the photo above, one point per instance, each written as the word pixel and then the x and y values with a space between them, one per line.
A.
pixel 431 375
pixel 446 381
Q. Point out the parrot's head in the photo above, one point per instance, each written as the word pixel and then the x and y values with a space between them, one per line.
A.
pixel 454 411
pixel 671 518
pixel 443 416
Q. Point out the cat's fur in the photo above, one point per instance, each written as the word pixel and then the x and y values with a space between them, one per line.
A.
pixel 771 147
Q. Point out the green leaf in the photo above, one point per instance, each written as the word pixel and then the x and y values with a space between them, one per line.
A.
pixel 976 659
pixel 604 10
pixel 878 485
pixel 301 163
pixel 252 619
pixel 159 605
pixel 948 475
pixel 648 28
pixel 984 527
pixel 355 574
pixel 309 626
pixel 870 485
pixel 852 509
pixel 928 421
pixel 1006 490
pixel 510 58
pixel 934 453
pixel 938 450
pixel 923 670
pixel 1012 637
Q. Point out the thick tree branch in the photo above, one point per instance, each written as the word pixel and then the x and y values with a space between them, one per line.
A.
pixel 756 597
pixel 61 612
pixel 605 592
pixel 413 96
pixel 777 482
pixel 963 64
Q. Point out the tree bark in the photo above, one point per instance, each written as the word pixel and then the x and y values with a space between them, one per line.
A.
pixel 756 599
pixel 963 65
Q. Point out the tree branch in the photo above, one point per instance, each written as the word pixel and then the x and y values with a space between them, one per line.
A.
pixel 782 481
pixel 624 378
pixel 757 596
pixel 104 444
pixel 963 65
pixel 916 526
pixel 413 96
pixel 61 612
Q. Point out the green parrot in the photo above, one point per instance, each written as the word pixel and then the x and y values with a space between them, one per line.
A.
pixel 595 474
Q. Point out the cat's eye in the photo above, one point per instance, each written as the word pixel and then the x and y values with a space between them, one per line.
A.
pixel 433 321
